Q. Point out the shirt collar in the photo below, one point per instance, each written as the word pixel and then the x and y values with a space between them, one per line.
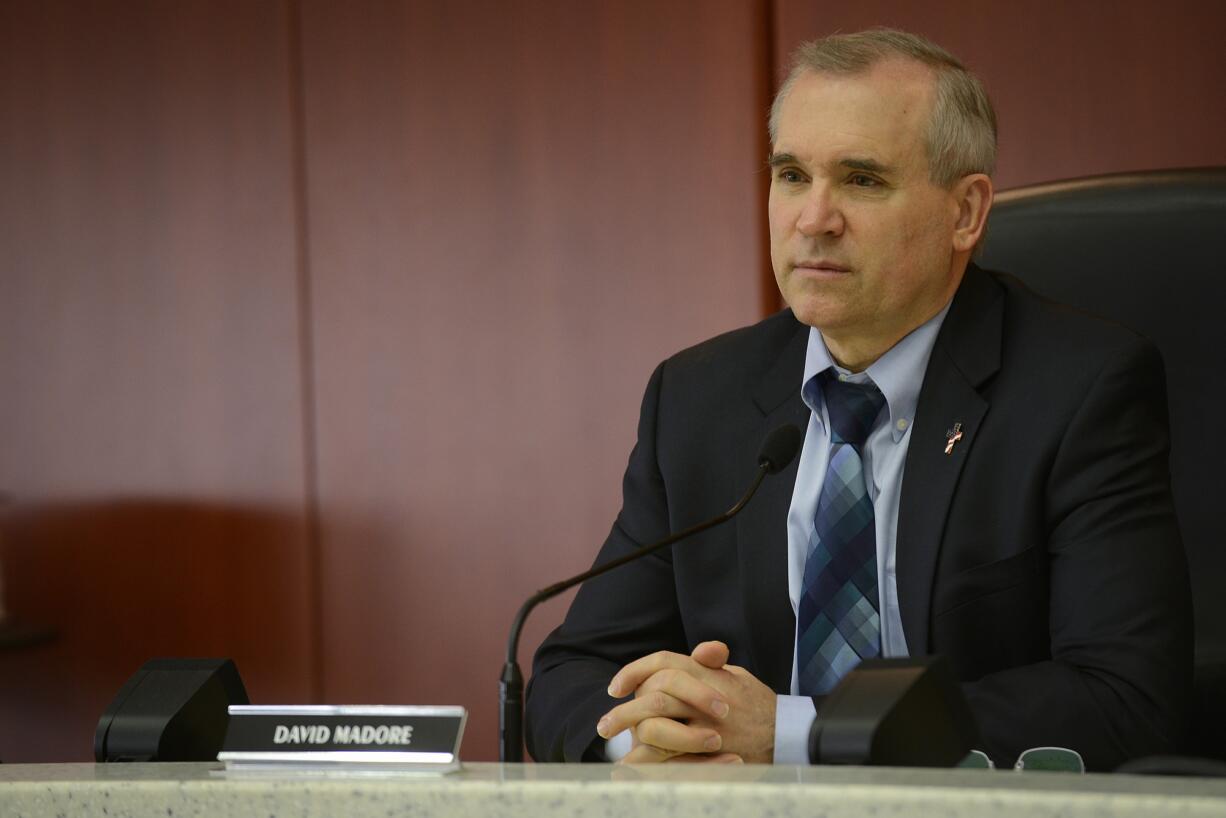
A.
pixel 899 373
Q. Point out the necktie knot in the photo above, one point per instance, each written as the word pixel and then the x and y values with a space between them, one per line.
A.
pixel 852 408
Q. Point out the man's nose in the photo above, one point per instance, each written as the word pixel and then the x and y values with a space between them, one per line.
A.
pixel 820 215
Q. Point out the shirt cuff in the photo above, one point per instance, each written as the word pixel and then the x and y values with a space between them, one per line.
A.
pixel 794 716
pixel 615 749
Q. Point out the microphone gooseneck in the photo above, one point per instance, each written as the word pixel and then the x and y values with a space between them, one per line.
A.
pixel 778 450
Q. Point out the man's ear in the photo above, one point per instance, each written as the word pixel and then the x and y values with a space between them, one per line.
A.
pixel 973 195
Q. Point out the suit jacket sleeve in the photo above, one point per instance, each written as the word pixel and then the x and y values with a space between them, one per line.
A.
pixel 615 618
pixel 1117 600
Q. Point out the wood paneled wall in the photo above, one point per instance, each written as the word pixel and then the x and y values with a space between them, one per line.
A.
pixel 323 326
pixel 506 235
pixel 151 423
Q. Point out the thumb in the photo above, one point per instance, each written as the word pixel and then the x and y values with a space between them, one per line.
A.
pixel 710 654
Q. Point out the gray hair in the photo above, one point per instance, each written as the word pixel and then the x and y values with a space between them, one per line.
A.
pixel 961 136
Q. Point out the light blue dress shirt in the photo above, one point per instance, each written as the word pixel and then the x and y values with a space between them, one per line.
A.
pixel 899 374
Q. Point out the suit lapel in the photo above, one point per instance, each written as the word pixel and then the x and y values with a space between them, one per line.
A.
pixel 762 535
pixel 966 354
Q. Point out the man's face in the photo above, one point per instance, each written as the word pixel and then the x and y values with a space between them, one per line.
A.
pixel 861 240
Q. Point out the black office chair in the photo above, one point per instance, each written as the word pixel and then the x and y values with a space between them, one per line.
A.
pixel 1149 250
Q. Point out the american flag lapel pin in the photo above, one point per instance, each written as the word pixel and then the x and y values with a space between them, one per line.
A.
pixel 952 436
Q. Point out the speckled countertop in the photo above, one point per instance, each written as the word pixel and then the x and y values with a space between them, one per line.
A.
pixel 588 791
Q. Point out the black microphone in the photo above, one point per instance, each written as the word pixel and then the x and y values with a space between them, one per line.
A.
pixel 777 452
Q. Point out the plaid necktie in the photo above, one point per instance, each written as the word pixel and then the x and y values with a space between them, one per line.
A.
pixel 838 622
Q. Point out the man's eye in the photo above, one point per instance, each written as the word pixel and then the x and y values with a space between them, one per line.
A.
pixel 862 180
pixel 790 176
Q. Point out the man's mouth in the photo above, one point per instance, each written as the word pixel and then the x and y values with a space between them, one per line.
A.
pixel 821 266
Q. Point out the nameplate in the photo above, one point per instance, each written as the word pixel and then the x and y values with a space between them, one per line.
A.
pixel 425 739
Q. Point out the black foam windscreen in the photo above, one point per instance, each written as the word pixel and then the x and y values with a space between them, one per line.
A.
pixel 780 447
pixel 895 713
pixel 170 710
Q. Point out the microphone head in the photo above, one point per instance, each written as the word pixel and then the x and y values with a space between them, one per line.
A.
pixel 779 448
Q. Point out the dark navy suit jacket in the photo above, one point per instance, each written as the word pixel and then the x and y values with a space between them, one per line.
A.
pixel 1041 555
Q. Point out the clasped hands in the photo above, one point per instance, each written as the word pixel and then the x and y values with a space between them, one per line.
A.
pixel 694 708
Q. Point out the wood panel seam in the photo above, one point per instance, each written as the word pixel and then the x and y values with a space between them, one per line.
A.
pixel 306 345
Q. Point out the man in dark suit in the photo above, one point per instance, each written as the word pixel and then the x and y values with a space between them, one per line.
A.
pixel 984 473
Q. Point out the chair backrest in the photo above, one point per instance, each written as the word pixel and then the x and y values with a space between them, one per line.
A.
pixel 1148 250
